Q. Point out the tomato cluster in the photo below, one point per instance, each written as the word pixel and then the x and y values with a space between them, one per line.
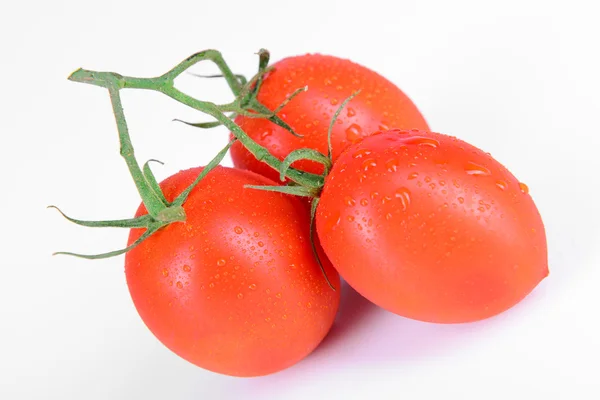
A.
pixel 236 275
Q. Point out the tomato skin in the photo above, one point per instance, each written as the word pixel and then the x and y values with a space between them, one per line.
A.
pixel 235 288
pixel 440 231
pixel 330 81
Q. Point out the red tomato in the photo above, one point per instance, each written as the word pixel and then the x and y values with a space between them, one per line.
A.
pixel 235 288
pixel 330 81
pixel 439 231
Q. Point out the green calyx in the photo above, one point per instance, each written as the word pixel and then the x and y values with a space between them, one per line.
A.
pixel 167 214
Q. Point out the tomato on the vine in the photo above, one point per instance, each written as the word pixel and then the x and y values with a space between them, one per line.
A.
pixel 431 228
pixel 379 105
pixel 234 288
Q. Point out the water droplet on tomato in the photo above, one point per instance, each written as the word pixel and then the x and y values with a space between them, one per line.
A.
pixel 385 199
pixel 266 134
pixel 333 102
pixel 349 201
pixel 361 153
pixel 308 305
pixel 388 216
pixel 331 221
pixel 238 230
pixel 524 188
pixel 211 285
pixel 404 195
pixel 392 165
pixel 461 200
pixel 351 112
pixel 374 195
pixel 221 262
pixel 260 244
pixel 187 268
pixel 427 179
pixel 165 272
pixel 353 133
pixel 413 175
pixel 421 140
pixel 368 164
pixel 384 127
pixel 476 169
pixel 364 202
pixel 501 184
pixel 350 218
pixel 179 285
pixel 252 286
pixel 240 296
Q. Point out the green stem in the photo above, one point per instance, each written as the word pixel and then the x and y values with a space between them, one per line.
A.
pixel 209 55
pixel 304 154
pixel 263 61
pixel 260 152
pixel 165 84
pixel 151 200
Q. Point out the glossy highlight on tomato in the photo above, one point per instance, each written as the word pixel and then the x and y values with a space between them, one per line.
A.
pixel 330 80
pixel 234 288
pixel 439 230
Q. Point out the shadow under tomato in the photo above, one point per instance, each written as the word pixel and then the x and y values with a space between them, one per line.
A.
pixel 369 335
pixel 364 333
pixel 354 311
pixel 366 336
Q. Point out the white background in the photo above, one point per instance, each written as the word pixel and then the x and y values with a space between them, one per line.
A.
pixel 518 79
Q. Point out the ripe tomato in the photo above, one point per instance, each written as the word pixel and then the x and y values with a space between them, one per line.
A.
pixel 439 230
pixel 235 288
pixel 330 81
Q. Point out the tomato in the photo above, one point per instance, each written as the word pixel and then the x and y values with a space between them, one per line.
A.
pixel 431 228
pixel 330 81
pixel 235 288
